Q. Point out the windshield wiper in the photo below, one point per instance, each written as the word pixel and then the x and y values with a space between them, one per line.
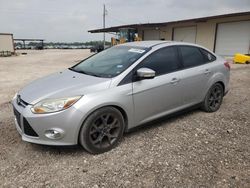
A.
pixel 87 73
pixel 72 69
pixel 96 75
pixel 79 71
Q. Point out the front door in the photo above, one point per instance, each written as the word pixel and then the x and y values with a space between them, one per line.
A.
pixel 160 95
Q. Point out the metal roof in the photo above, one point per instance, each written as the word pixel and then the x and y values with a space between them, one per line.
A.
pixel 6 34
pixel 30 39
pixel 202 19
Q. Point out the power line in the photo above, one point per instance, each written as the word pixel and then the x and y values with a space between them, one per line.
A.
pixel 114 17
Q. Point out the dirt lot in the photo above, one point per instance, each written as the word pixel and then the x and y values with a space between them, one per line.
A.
pixel 195 149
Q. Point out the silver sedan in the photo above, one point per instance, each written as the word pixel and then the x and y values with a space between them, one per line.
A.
pixel 94 102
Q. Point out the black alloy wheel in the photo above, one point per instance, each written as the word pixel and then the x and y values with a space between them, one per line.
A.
pixel 102 130
pixel 213 98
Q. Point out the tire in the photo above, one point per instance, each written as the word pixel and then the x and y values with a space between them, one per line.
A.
pixel 213 99
pixel 247 62
pixel 102 130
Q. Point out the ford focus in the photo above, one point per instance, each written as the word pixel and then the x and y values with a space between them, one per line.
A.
pixel 94 102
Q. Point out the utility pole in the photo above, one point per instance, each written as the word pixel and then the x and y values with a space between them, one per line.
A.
pixel 104 14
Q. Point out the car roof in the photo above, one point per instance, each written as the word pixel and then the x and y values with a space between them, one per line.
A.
pixel 145 44
pixel 152 43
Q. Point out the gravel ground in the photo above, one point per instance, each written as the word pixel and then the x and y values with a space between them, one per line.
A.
pixel 195 149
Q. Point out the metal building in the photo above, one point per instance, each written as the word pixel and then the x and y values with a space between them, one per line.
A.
pixel 224 34
pixel 6 43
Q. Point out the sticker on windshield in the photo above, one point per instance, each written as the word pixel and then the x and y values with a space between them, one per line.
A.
pixel 119 66
pixel 136 50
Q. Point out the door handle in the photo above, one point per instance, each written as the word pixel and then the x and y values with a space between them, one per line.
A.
pixel 207 71
pixel 174 80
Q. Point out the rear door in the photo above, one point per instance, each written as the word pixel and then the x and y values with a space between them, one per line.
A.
pixel 160 95
pixel 196 73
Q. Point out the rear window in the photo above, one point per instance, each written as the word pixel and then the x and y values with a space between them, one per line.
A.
pixel 208 57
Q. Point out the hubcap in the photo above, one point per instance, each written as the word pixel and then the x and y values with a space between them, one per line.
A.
pixel 215 98
pixel 105 130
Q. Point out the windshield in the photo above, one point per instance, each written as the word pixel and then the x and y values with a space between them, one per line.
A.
pixel 110 62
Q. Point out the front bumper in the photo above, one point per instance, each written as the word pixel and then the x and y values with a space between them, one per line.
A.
pixel 32 127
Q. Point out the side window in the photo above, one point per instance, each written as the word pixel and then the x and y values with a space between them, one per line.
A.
pixel 207 55
pixel 162 61
pixel 191 56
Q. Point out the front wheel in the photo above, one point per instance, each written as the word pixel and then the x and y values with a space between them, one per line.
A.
pixel 102 130
pixel 213 99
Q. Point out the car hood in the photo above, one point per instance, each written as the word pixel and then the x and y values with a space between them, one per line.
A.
pixel 62 84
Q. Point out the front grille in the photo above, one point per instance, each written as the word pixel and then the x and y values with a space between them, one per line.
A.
pixel 28 130
pixel 18 117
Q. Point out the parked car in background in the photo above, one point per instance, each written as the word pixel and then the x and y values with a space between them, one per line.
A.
pixel 39 47
pixel 94 102
pixel 97 48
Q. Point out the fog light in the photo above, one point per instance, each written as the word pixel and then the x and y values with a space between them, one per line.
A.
pixel 54 134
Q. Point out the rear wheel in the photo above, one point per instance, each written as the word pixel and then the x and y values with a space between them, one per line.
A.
pixel 213 98
pixel 102 130
pixel 247 62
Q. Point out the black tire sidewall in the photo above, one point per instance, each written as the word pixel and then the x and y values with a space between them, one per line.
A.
pixel 84 132
pixel 206 107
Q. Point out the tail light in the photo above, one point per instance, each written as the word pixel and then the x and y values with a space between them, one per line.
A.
pixel 227 65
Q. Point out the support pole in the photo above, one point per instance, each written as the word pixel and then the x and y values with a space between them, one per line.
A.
pixel 24 44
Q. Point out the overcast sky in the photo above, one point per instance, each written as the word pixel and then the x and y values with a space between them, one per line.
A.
pixel 69 20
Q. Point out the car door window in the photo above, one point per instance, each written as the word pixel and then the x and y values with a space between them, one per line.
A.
pixel 191 56
pixel 207 56
pixel 162 61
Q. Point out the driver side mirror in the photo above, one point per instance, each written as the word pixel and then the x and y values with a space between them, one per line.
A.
pixel 145 73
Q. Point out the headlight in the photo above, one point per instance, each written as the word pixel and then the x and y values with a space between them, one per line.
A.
pixel 53 105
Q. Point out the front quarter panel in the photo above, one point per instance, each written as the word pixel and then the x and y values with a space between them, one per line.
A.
pixel 120 96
